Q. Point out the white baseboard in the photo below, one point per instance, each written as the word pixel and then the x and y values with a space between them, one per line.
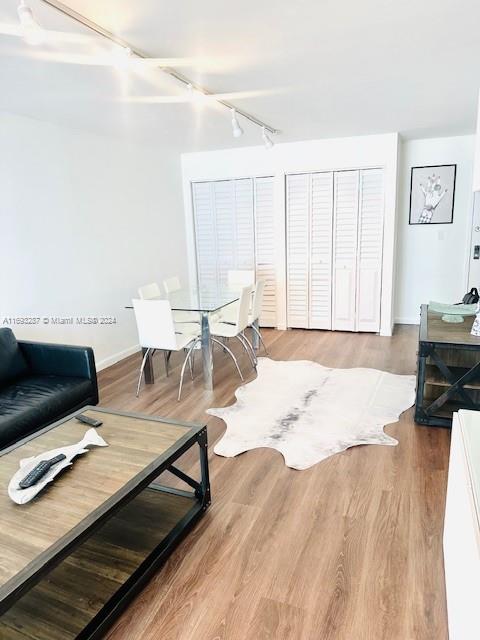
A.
pixel 120 355
pixel 411 320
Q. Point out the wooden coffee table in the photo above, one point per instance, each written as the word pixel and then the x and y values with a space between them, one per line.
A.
pixel 71 559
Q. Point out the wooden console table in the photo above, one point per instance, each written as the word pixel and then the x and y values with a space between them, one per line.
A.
pixel 448 371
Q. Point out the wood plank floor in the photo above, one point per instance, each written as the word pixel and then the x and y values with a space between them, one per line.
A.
pixel 350 549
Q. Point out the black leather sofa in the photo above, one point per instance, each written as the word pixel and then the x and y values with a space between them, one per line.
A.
pixel 41 383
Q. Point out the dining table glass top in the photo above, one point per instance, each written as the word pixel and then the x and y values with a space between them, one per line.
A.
pixel 200 300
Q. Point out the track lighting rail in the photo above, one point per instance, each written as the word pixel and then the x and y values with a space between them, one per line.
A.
pixel 93 26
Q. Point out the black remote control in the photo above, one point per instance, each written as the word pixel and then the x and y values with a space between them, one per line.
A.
pixel 92 422
pixel 39 471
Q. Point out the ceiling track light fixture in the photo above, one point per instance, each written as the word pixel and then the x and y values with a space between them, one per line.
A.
pixel 99 30
pixel 237 130
pixel 32 31
pixel 267 141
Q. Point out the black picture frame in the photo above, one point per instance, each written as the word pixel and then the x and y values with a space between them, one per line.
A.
pixel 451 204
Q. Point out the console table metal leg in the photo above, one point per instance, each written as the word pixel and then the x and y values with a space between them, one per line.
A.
pixel 422 363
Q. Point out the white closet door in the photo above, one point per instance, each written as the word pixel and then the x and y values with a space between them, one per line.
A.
pixel 244 224
pixel 205 236
pixel 224 205
pixel 298 248
pixel 320 302
pixel 265 249
pixel 370 245
pixel 345 238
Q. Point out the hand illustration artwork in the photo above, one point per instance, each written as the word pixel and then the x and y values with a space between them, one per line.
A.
pixel 433 195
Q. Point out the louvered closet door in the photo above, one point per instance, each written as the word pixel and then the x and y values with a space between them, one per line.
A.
pixel 244 250
pixel 265 249
pixel 321 217
pixel 224 207
pixel 205 236
pixel 298 247
pixel 370 245
pixel 345 238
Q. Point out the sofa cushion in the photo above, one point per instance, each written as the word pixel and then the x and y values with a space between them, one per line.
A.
pixel 33 402
pixel 12 362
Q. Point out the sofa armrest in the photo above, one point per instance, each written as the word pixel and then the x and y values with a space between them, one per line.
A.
pixel 61 360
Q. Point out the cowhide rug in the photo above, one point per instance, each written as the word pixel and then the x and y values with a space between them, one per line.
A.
pixel 309 412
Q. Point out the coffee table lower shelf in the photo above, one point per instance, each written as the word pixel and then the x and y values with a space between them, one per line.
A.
pixel 80 597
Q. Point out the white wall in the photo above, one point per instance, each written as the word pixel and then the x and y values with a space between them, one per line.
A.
pixel 315 155
pixel 84 220
pixel 432 260
pixel 476 170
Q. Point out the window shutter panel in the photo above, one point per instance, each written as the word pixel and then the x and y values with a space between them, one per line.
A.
pixel 224 203
pixel 370 249
pixel 321 222
pixel 298 232
pixel 265 249
pixel 345 238
pixel 244 250
pixel 205 236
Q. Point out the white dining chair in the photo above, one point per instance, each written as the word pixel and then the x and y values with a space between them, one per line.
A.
pixel 236 279
pixel 256 309
pixel 171 285
pixel 156 332
pixel 149 291
pixel 240 278
pixel 223 329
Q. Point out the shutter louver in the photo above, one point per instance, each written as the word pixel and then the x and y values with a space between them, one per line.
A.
pixel 345 238
pixel 370 249
pixel 298 235
pixel 205 236
pixel 321 251
pixel 265 249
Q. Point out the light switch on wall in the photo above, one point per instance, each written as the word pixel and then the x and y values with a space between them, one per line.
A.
pixel 441 235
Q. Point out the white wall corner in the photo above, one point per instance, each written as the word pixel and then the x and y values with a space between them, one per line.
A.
pixel 476 164
pixel 116 357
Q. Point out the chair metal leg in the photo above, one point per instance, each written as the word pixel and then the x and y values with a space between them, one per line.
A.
pixel 190 367
pixel 187 358
pixel 225 348
pixel 250 348
pixel 257 331
pixel 142 367
pixel 240 338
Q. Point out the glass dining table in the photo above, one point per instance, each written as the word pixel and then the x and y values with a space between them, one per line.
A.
pixel 205 302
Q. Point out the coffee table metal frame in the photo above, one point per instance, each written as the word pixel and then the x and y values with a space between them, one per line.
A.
pixel 201 499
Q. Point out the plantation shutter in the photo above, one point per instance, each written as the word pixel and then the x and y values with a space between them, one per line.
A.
pixel 224 211
pixel 265 248
pixel 321 221
pixel 345 238
pixel 205 236
pixel 370 246
pixel 298 247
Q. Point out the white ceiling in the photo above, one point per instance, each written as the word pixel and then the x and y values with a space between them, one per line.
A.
pixel 323 68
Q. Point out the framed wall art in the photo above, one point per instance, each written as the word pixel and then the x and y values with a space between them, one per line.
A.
pixel 432 194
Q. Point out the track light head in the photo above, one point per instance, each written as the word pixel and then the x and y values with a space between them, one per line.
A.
pixel 267 141
pixel 32 31
pixel 236 128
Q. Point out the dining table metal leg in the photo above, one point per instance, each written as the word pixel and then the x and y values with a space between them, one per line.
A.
pixel 148 371
pixel 207 356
